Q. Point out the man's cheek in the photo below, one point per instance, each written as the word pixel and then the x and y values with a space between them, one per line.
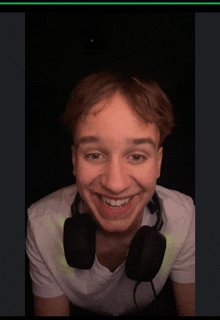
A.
pixel 84 175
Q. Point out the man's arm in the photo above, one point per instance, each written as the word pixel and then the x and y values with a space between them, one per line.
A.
pixel 58 306
pixel 185 298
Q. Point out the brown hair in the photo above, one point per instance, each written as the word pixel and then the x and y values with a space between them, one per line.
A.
pixel 145 97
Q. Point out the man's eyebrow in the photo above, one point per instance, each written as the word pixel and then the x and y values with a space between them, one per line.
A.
pixel 131 141
pixel 138 141
pixel 87 139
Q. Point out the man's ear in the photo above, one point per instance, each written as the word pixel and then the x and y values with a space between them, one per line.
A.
pixel 73 151
pixel 159 161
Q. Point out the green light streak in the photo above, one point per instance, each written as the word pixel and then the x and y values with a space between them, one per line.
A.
pixel 169 255
pixel 61 221
pixel 61 260
pixel 60 243
pixel 110 3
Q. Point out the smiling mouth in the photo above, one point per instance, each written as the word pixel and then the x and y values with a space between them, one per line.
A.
pixel 113 203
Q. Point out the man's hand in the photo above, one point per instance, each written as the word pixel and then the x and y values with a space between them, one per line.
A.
pixel 185 298
pixel 58 306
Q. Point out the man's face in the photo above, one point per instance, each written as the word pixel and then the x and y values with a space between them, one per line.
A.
pixel 116 163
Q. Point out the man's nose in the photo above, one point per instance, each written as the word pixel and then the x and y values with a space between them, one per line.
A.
pixel 115 177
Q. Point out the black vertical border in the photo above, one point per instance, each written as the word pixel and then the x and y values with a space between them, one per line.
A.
pixel 12 142
pixel 207 164
pixel 12 101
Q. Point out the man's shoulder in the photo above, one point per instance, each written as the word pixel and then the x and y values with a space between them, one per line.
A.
pixel 175 196
pixel 177 206
pixel 54 202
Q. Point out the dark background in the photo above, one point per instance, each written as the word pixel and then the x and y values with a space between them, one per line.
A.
pixel 59 52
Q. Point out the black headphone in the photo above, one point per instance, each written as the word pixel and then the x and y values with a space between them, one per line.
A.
pixel 146 251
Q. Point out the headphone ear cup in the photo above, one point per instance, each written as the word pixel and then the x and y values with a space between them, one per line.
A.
pixel 79 241
pixel 145 255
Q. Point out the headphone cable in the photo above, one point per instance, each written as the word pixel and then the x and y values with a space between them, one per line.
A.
pixel 154 291
pixel 134 292
pixel 135 289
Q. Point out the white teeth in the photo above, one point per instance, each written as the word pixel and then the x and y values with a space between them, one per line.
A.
pixel 115 203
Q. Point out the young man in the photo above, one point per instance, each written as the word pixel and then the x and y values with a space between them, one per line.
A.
pixel 118 125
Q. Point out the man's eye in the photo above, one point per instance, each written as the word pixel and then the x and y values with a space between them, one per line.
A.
pixel 137 158
pixel 93 156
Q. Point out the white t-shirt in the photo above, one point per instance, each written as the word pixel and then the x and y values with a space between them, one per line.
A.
pixel 98 289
